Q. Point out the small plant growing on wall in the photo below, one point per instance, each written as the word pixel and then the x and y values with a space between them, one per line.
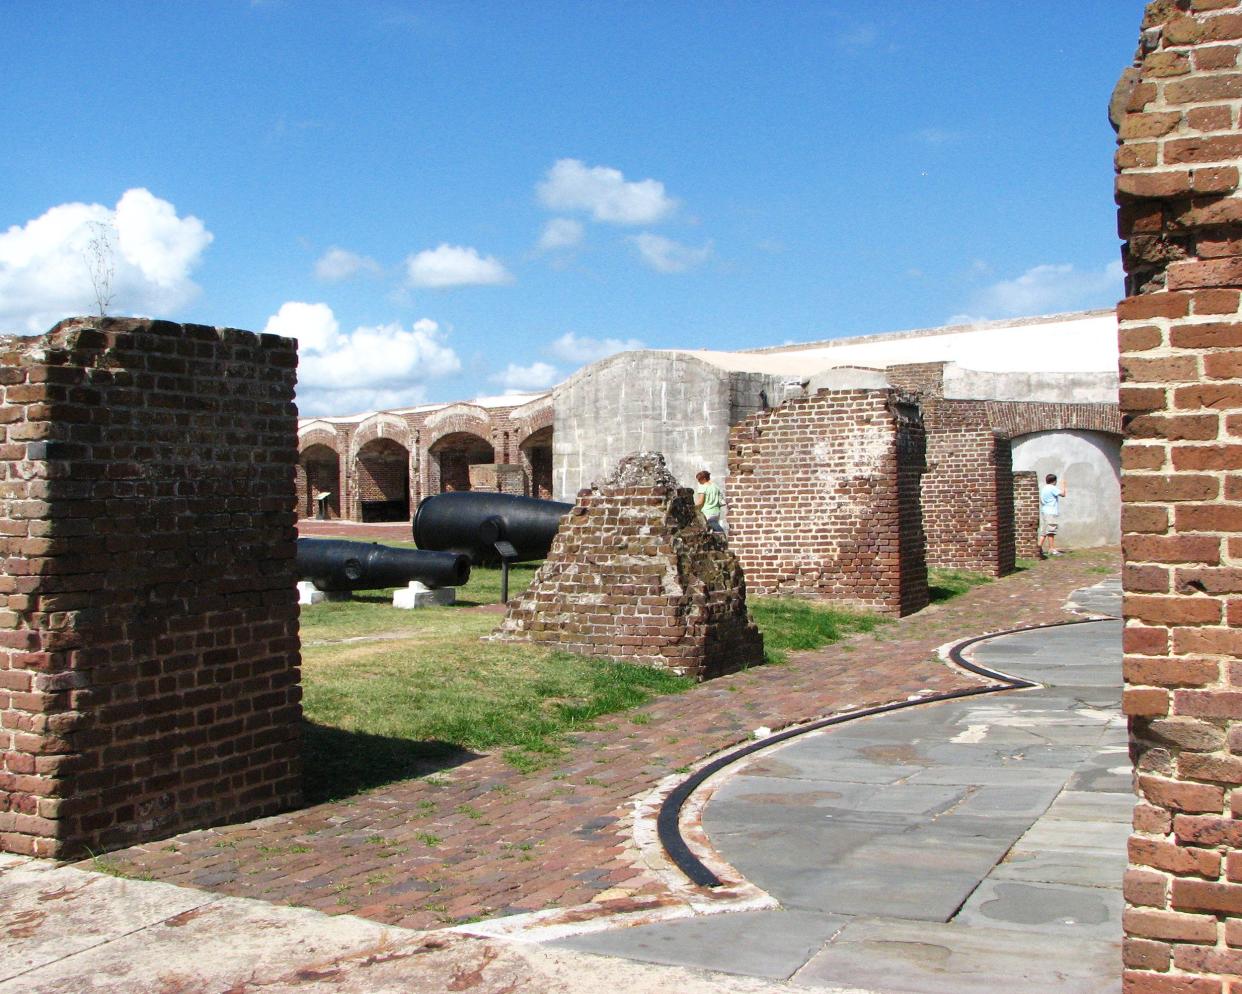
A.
pixel 100 258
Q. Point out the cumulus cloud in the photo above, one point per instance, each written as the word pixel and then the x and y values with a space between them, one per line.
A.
pixel 338 264
pixel 1046 289
pixel 604 193
pixel 370 368
pixel 454 265
pixel 578 351
pixel 147 253
pixel 536 376
pixel 667 256
pixel 560 233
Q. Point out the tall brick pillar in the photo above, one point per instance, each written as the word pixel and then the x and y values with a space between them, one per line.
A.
pixel 1177 111
pixel 148 619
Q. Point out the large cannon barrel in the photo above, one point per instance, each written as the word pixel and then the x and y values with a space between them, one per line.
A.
pixel 473 521
pixel 333 565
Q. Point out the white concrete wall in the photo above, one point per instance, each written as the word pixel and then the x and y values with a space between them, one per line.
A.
pixel 1089 463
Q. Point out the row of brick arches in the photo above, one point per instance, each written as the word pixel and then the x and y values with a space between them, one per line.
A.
pixel 383 478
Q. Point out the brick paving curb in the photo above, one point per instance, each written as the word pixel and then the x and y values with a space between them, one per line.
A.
pixel 483 840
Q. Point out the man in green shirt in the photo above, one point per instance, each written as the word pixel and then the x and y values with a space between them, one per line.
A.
pixel 709 500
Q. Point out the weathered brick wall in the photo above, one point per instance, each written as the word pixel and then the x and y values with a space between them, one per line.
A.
pixel 1026 514
pixel 502 478
pixel 820 501
pixel 1181 343
pixel 634 574
pixel 148 619
pixel 968 511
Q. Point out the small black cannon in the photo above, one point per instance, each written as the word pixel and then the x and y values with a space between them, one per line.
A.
pixel 473 521
pixel 335 566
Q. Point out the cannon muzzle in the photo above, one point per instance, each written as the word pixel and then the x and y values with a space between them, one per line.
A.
pixel 473 521
pixel 333 565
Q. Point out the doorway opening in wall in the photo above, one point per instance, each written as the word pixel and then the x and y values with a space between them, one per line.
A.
pixel 453 455
pixel 537 459
pixel 383 481
pixel 318 483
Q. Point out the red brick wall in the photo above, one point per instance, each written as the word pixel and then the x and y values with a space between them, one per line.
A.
pixel 148 618
pixel 1026 514
pixel 968 501
pixel 822 504
pixel 635 575
pixel 1181 343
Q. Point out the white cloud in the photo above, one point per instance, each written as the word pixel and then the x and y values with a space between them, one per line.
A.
pixel 45 273
pixel 313 325
pixel 371 368
pixel 605 193
pixel 560 233
pixel 667 256
pixel 536 376
pixel 455 265
pixel 338 264
pixel 570 348
pixel 1046 289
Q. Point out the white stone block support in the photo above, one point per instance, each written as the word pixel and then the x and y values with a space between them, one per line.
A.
pixel 418 594
pixel 309 594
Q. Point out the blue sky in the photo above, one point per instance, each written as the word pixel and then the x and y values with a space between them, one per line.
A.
pixel 448 200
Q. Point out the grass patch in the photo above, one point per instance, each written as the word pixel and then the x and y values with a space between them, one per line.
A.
pixel 392 694
pixel 795 624
pixel 423 693
pixel 945 584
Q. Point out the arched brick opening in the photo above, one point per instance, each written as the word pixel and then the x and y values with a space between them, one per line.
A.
pixel 383 480
pixel 451 457
pixel 319 472
pixel 536 452
pixel 1089 464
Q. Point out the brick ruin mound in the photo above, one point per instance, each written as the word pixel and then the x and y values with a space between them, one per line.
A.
pixel 635 575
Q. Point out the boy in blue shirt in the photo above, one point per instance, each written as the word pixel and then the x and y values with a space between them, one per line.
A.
pixel 1049 514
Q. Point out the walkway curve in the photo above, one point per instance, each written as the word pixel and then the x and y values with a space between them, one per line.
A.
pixel 668 823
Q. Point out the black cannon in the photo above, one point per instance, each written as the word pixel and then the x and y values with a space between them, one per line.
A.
pixel 473 521
pixel 334 566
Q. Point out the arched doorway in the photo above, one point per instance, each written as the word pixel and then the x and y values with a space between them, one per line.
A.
pixel 1089 464
pixel 383 468
pixel 537 459
pixel 451 459
pixel 319 473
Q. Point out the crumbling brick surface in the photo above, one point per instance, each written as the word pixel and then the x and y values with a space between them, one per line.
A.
pixel 635 575
pixel 1181 395
pixel 823 500
pixel 148 618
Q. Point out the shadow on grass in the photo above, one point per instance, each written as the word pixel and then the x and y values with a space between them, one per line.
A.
pixel 945 584
pixel 337 764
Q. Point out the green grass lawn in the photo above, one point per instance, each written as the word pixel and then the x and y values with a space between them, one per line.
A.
pixel 390 694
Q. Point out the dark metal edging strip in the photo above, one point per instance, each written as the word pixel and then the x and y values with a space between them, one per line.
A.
pixel 668 821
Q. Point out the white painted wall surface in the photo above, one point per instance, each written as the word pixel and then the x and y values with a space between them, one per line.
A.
pixel 1089 462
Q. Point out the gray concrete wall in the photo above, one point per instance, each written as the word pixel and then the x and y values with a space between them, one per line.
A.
pixel 1089 463
pixel 667 402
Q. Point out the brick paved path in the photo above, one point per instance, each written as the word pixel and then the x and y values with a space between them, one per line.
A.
pixel 483 839
pixel 384 531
